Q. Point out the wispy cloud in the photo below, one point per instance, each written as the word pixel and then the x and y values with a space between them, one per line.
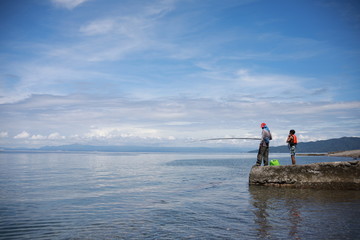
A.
pixel 69 4
pixel 140 35
pixel 114 37
pixel 124 121
pixel 98 27
pixel 168 71
pixel 4 134
pixel 23 134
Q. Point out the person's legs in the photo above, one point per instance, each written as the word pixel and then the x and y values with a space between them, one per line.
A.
pixel 260 155
pixel 292 153
pixel 266 156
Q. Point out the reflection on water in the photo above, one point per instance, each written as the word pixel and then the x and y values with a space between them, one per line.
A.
pixel 301 212
pixel 265 199
pixel 161 196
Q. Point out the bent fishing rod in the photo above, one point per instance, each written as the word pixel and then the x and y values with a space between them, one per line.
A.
pixel 210 139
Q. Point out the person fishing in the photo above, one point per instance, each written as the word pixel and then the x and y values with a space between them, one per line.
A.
pixel 263 153
pixel 292 142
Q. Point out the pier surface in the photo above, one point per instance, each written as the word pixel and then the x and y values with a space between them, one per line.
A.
pixel 355 154
pixel 327 175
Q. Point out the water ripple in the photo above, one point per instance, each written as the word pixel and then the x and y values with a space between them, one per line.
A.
pixel 160 196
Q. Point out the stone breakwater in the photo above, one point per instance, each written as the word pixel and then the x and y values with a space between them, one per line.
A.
pixel 355 154
pixel 327 175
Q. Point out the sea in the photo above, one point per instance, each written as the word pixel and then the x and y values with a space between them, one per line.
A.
pixel 94 195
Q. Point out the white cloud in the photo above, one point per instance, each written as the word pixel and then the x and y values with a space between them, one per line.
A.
pixel 122 132
pixel 255 86
pixel 133 35
pixel 38 137
pixel 98 27
pixel 55 136
pixel 83 119
pixel 22 135
pixel 270 82
pixel 178 123
pixel 69 4
pixel 112 37
pixel 136 71
pixel 4 134
pixel 26 135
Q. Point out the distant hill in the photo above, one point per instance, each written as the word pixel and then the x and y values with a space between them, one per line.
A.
pixel 322 146
pixel 92 148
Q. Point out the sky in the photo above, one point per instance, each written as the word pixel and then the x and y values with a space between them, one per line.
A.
pixel 173 72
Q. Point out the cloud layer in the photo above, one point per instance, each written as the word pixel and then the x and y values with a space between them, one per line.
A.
pixel 173 72
pixel 69 119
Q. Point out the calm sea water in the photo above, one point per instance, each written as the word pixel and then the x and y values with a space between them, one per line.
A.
pixel 163 196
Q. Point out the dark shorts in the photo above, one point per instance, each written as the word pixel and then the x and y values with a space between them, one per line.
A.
pixel 292 150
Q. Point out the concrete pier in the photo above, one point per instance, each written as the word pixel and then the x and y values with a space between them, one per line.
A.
pixel 327 175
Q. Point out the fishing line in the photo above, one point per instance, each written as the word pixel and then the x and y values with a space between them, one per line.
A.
pixel 210 139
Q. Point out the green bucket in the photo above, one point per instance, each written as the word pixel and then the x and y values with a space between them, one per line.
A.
pixel 274 162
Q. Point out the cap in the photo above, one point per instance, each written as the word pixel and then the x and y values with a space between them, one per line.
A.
pixel 263 125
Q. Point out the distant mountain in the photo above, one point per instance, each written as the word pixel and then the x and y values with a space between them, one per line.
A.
pixel 91 148
pixel 322 146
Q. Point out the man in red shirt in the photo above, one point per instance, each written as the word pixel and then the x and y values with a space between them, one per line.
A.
pixel 263 154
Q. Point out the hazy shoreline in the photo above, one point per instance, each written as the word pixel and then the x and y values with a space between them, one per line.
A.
pixel 352 153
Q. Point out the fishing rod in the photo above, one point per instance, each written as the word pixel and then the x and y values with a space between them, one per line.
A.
pixel 210 139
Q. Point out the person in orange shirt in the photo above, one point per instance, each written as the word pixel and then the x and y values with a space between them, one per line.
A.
pixel 292 142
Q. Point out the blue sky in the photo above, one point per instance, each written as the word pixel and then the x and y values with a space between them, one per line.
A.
pixel 171 72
